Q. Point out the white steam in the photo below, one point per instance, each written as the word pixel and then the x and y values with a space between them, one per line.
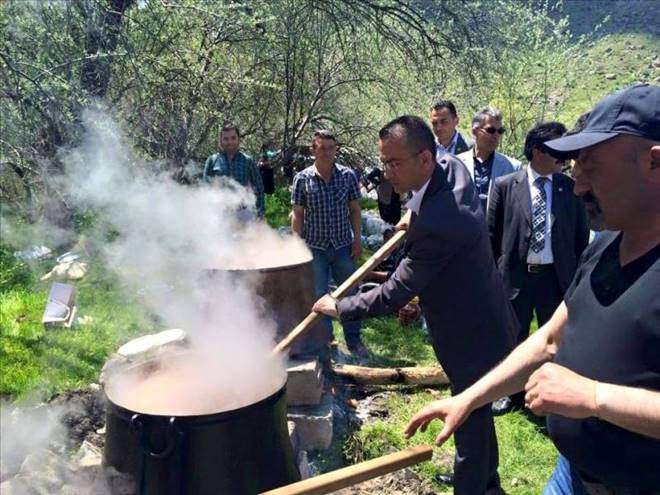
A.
pixel 166 238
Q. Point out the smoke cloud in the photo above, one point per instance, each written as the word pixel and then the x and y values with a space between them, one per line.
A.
pixel 166 238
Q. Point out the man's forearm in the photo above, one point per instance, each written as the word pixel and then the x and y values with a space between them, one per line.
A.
pixel 356 223
pixel 297 223
pixel 634 409
pixel 510 375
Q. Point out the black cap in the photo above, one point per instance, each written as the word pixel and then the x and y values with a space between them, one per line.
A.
pixel 634 111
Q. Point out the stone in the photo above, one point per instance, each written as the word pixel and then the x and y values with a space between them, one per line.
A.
pixel 88 456
pixel 44 461
pixel 304 384
pixel 314 423
pixel 610 77
pixel 294 437
pixel 16 486
pixel 304 468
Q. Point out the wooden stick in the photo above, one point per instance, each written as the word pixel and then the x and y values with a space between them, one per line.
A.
pixel 344 288
pixel 432 375
pixel 352 475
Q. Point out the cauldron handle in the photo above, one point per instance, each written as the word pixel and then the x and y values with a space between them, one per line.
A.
pixel 173 435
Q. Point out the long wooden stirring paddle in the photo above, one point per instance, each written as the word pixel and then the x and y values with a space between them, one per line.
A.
pixel 351 475
pixel 344 288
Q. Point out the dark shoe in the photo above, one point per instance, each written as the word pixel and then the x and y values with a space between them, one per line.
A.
pixel 445 478
pixel 501 406
pixel 358 349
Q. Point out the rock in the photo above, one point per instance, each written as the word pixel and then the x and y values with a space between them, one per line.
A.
pixel 304 468
pixel 88 456
pixel 314 423
pixel 35 253
pixel 304 383
pixel 15 486
pixel 69 270
pixel 656 63
pixel 46 463
pixel 610 77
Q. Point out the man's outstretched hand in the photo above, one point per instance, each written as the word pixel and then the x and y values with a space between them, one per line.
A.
pixel 327 305
pixel 453 411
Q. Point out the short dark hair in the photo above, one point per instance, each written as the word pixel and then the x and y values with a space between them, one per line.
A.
pixel 416 131
pixel 540 133
pixel 230 126
pixel 448 104
pixel 481 115
pixel 324 134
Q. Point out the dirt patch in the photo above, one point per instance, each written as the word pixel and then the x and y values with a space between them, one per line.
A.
pixel 404 482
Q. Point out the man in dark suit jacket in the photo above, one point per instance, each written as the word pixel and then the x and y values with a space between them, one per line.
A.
pixel 538 230
pixel 444 120
pixel 447 263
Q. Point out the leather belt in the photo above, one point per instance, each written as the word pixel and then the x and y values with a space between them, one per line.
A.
pixel 539 268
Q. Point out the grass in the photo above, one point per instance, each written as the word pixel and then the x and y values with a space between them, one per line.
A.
pixel 278 207
pixel 611 63
pixel 527 456
pixel 39 361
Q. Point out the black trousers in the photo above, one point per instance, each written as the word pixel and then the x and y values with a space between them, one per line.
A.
pixel 539 292
pixel 477 457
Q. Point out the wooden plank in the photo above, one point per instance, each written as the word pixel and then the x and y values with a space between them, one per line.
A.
pixel 352 475
pixel 432 375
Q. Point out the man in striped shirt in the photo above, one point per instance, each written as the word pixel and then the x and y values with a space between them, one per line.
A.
pixel 326 214
pixel 235 164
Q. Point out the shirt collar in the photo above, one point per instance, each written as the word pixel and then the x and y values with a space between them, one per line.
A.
pixel 316 170
pixel 532 175
pixel 476 159
pixel 452 143
pixel 415 203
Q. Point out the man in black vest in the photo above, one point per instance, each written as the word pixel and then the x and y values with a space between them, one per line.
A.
pixel 538 230
pixel 594 368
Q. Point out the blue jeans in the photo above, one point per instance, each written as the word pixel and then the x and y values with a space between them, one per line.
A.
pixel 338 264
pixel 564 480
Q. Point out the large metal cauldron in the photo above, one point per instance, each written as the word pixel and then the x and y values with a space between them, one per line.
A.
pixel 288 291
pixel 241 451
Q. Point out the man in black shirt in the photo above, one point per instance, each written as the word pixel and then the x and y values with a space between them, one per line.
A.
pixel 594 368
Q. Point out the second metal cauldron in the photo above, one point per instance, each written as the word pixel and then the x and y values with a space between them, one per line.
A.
pixel 288 291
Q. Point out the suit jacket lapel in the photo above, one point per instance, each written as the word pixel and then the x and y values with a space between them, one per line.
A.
pixel 559 199
pixel 523 196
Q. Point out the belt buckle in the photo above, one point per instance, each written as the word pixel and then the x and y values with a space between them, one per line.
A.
pixel 534 268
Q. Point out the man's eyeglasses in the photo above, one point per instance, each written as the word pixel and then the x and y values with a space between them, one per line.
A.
pixel 396 163
pixel 493 130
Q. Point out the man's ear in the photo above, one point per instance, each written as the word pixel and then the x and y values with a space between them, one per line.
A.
pixel 655 157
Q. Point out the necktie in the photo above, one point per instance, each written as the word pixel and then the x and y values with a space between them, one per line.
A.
pixel 537 241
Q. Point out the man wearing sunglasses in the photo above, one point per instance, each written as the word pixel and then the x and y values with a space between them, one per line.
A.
pixel 483 162
pixel 538 230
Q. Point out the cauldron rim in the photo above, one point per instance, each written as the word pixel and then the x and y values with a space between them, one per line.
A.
pixel 130 412
pixel 217 417
pixel 265 269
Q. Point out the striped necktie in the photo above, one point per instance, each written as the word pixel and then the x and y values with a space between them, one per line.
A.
pixel 537 243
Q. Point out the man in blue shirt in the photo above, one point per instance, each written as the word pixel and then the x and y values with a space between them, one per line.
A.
pixel 326 214
pixel 235 164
